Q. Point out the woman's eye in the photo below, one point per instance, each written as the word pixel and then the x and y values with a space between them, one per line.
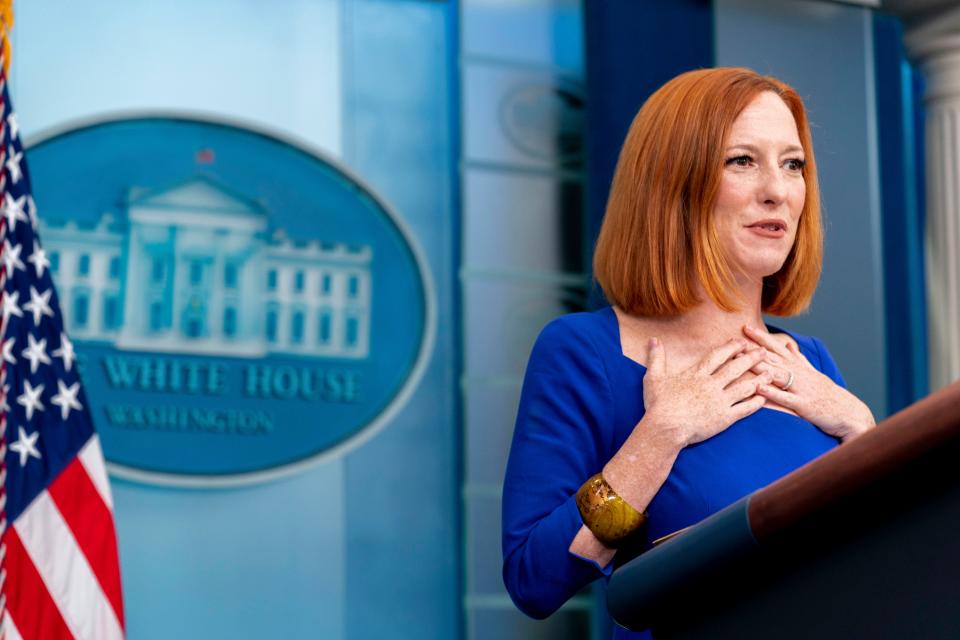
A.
pixel 796 164
pixel 740 161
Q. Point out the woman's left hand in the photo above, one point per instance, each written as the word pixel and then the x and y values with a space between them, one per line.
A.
pixel 798 386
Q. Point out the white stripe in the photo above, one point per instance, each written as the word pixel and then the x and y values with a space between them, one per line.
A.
pixel 66 572
pixel 10 629
pixel 91 457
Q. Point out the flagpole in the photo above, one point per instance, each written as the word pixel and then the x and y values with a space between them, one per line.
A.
pixel 6 25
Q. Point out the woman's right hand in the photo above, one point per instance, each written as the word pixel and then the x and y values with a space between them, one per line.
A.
pixel 700 402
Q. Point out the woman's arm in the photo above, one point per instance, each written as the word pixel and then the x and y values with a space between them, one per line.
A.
pixel 639 469
pixel 563 434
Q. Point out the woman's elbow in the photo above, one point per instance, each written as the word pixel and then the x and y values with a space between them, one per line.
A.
pixel 529 596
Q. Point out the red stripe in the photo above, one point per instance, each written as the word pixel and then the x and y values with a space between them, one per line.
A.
pixel 91 523
pixel 31 607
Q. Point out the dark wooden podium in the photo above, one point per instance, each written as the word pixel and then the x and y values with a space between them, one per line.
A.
pixel 863 542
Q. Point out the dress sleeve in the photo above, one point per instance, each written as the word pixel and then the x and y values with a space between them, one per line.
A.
pixel 827 365
pixel 564 420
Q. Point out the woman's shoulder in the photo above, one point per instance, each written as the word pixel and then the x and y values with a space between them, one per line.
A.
pixel 581 334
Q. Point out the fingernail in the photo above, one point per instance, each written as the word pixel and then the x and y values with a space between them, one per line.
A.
pixel 654 342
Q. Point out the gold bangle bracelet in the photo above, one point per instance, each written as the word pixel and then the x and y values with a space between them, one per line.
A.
pixel 607 515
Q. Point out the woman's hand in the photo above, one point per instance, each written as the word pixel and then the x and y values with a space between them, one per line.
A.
pixel 798 386
pixel 702 401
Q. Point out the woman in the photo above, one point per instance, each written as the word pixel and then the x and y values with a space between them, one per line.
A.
pixel 677 400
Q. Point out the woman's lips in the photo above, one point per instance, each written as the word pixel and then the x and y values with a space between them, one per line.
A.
pixel 769 229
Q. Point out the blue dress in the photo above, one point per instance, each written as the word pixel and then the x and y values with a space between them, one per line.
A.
pixel 581 398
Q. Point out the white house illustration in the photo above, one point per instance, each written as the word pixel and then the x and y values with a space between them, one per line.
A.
pixel 195 268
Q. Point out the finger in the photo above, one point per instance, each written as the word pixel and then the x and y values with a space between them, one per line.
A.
pixel 721 354
pixel 781 397
pixel 743 409
pixel 746 388
pixel 656 357
pixel 766 340
pixel 797 355
pixel 739 365
pixel 780 375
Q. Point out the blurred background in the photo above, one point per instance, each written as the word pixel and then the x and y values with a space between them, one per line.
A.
pixel 489 129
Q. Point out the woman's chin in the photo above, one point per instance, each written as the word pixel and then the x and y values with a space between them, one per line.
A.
pixel 757 271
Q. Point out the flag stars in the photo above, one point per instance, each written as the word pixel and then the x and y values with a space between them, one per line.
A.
pixel 36 353
pixel 13 124
pixel 65 352
pixel 7 352
pixel 13 164
pixel 30 399
pixel 39 260
pixel 11 258
pixel 4 407
pixel 32 212
pixel 26 446
pixel 66 398
pixel 39 304
pixel 11 306
pixel 13 211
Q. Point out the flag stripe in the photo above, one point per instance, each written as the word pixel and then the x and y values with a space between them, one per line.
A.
pixel 92 458
pixel 28 600
pixel 91 523
pixel 10 629
pixel 66 572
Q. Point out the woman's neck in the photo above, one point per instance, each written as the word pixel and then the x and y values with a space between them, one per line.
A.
pixel 708 324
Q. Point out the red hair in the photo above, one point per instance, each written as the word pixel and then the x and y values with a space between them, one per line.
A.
pixel 658 240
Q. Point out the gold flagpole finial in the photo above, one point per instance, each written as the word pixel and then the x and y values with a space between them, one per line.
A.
pixel 6 24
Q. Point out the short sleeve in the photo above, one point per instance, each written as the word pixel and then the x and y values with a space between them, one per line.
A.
pixel 827 364
pixel 563 421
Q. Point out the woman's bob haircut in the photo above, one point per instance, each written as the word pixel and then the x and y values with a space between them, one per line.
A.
pixel 658 240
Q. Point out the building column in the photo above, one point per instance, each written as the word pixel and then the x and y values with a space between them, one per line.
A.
pixel 935 44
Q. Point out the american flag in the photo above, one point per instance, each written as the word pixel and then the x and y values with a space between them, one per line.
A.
pixel 59 570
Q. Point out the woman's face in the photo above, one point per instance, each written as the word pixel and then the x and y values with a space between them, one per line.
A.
pixel 761 190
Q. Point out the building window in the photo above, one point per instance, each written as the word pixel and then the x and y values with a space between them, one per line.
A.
pixel 115 267
pixel 326 284
pixel 54 261
pixel 272 325
pixel 353 327
pixel 83 265
pixel 194 319
pixel 156 270
pixel 196 272
pixel 272 280
pixel 298 279
pixel 229 322
pixel 156 316
pixel 230 276
pixel 353 286
pixel 323 334
pixel 81 307
pixel 111 313
pixel 296 327
pixel 194 328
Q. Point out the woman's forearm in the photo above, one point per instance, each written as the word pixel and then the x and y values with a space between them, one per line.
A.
pixel 636 472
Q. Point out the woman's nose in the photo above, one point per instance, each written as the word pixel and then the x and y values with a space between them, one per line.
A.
pixel 773 186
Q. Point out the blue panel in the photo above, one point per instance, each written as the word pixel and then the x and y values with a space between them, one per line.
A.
pixel 902 224
pixel 633 47
pixel 796 42
pixel 403 486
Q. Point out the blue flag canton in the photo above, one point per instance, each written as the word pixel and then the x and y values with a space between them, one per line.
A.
pixel 47 421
